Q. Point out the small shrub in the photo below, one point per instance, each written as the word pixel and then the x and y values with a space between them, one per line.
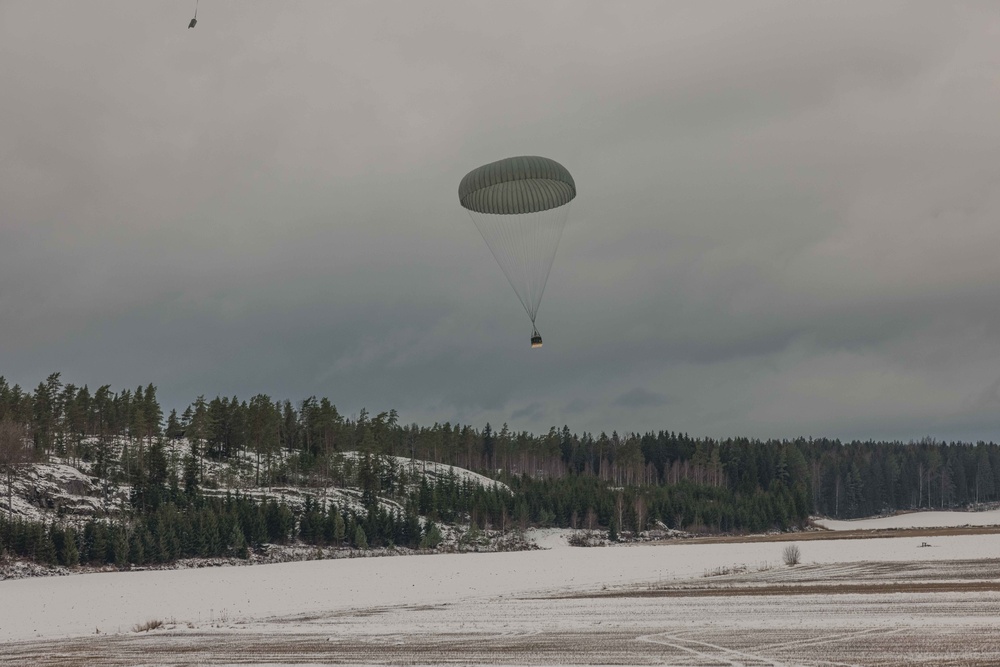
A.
pixel 791 555
pixel 148 625
pixel 586 538
pixel 432 537
pixel 360 539
pixel 726 570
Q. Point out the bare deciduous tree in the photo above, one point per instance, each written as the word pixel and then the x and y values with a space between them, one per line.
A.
pixel 640 514
pixel 620 509
pixel 791 555
pixel 15 450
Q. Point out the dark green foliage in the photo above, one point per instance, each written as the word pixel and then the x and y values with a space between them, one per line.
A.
pixel 621 483
pixel 211 527
pixel 432 536
pixel 67 552
pixel 238 543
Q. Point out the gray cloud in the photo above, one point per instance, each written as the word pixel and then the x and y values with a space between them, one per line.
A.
pixel 531 412
pixel 786 220
pixel 641 398
pixel 576 406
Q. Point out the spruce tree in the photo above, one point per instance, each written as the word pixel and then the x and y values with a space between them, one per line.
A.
pixel 70 555
pixel 136 548
pixel 119 548
pixel 339 530
pixel 238 543
pixel 46 552
pixel 432 536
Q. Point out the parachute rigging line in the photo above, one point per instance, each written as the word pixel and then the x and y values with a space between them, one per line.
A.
pixel 524 246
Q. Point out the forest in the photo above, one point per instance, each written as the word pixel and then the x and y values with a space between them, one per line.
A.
pixel 619 483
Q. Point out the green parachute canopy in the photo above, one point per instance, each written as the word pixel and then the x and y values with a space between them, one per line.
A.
pixel 517 185
pixel 519 206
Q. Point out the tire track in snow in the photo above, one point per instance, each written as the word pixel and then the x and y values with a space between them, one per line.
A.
pixel 720 657
pixel 817 641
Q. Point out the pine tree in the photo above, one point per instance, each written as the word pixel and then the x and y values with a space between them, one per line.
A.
pixel 191 470
pixel 488 444
pixel 152 414
pixel 174 428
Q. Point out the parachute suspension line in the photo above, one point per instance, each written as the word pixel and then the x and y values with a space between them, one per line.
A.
pixel 502 257
pixel 522 251
pixel 196 9
pixel 524 246
pixel 557 229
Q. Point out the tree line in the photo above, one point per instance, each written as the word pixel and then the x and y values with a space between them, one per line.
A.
pixel 628 482
pixel 210 527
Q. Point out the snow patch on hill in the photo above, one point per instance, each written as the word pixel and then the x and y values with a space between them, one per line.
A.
pixel 45 491
pixel 68 491
pixel 436 472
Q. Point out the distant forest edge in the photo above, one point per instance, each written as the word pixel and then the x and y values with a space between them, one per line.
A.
pixel 622 483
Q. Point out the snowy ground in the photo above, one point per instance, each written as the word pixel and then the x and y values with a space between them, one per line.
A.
pixel 916 520
pixel 549 538
pixel 524 608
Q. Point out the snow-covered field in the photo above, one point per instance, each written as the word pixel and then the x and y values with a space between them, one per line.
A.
pixel 886 601
pixel 916 520
pixel 482 607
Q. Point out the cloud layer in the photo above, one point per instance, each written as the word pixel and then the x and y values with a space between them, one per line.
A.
pixel 786 225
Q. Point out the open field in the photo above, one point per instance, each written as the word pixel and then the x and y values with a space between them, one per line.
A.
pixel 774 627
pixel 851 534
pixel 913 520
pixel 852 602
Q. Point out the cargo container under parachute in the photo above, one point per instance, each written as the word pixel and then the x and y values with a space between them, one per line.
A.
pixel 520 206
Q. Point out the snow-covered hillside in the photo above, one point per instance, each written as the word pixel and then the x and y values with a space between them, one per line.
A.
pixel 47 491
pixel 70 491
pixel 435 472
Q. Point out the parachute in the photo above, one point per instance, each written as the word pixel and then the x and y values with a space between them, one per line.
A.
pixel 194 21
pixel 520 206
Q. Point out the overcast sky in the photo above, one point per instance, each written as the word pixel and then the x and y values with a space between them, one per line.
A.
pixel 788 219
